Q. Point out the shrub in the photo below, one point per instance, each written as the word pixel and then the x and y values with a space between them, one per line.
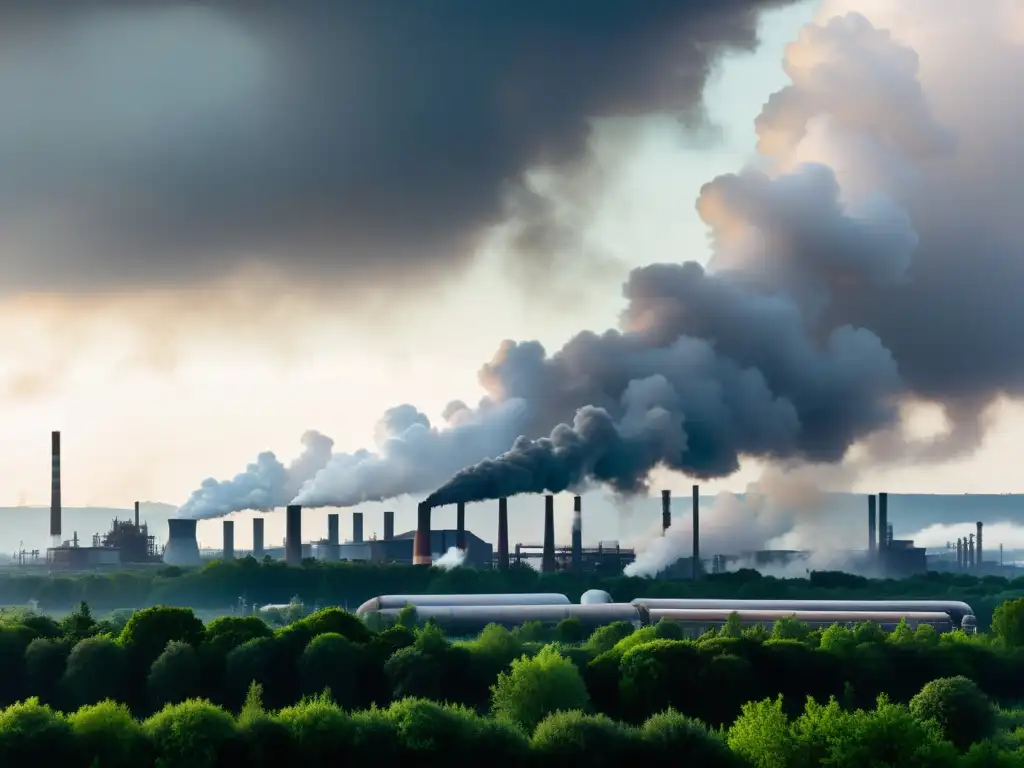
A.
pixel 322 732
pixel 534 688
pixel 32 733
pixel 670 736
pixel 566 738
pixel 961 710
pixel 107 735
pixel 193 734
pixel 174 676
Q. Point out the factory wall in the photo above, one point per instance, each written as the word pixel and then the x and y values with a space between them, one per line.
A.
pixel 479 553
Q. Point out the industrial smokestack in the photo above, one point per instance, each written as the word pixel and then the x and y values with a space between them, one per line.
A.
pixel 666 511
pixel 389 526
pixel 503 534
pixel 332 528
pixel 883 521
pixel 136 514
pixel 872 530
pixel 421 542
pixel 257 538
pixel 229 540
pixel 293 535
pixel 547 561
pixel 55 507
pixel 696 532
pixel 357 527
pixel 460 526
pixel 978 558
pixel 182 549
pixel 577 534
pixel 970 550
pixel 960 554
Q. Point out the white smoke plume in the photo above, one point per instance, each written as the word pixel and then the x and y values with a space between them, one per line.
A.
pixel 453 558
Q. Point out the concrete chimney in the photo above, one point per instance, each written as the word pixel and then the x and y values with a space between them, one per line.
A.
pixel 696 532
pixel 257 538
pixel 293 535
pixel 55 507
pixel 389 526
pixel 577 534
pixel 666 511
pixel 503 534
pixel 460 526
pixel 960 553
pixel 421 554
pixel 978 559
pixel 547 561
pixel 970 550
pixel 357 527
pixel 883 521
pixel 229 540
pixel 332 529
pixel 136 514
pixel 872 530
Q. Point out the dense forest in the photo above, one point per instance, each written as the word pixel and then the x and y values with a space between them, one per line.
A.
pixel 220 585
pixel 158 687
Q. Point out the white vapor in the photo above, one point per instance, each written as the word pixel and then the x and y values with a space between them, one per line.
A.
pixel 453 558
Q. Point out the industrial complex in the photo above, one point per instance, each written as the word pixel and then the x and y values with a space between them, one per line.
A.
pixel 131 543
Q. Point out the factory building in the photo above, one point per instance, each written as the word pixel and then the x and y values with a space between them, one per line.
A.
pixel 479 553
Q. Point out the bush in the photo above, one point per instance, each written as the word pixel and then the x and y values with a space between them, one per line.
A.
pixel 960 709
pixel 193 734
pixel 107 735
pixel 32 733
pixel 95 672
pixel 451 734
pixel 534 688
pixel 322 732
pixel 174 676
pixel 670 736
pixel 334 663
pixel 565 737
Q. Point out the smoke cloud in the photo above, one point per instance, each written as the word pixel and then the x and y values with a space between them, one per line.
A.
pixel 368 141
pixel 453 558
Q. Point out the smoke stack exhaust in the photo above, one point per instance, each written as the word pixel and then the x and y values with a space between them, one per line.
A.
pixel 577 534
pixel 332 529
pixel 503 534
pixel 547 562
pixel 389 526
pixel 257 538
pixel 136 514
pixel 357 527
pixel 979 561
pixel 872 530
pixel 460 526
pixel 421 542
pixel 666 511
pixel 229 540
pixel 293 535
pixel 55 506
pixel 696 532
pixel 883 521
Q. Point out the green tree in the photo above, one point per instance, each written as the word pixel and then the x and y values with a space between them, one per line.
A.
pixel 605 638
pixel 732 627
pixel 95 671
pixel 148 632
pixel 107 735
pixel 265 741
pixel 193 734
pixel 789 628
pixel 563 738
pixel 761 735
pixel 339 622
pixel 838 639
pixel 31 734
pixel 335 663
pixel 79 624
pixel 174 676
pixel 435 734
pixel 673 737
pixel 902 634
pixel 534 688
pixel 961 710
pixel 321 731
pixel 658 675
pixel 1008 623
pixel 45 660
pixel 571 631
pixel 432 668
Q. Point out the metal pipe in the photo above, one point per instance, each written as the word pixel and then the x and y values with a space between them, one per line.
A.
pixel 55 504
pixel 293 535
pixel 666 511
pixel 577 534
pixel 421 541
pixel 460 526
pixel 503 534
pixel 696 532
pixel 229 540
pixel 547 562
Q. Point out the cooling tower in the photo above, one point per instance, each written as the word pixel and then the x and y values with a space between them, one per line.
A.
pixel 577 534
pixel 696 532
pixel 503 534
pixel 883 521
pixel 460 526
pixel 547 562
pixel 666 511
pixel 229 540
pixel 332 528
pixel 421 541
pixel 389 526
pixel 257 538
pixel 357 527
pixel 182 548
pixel 293 535
pixel 979 552
pixel 872 531
pixel 55 484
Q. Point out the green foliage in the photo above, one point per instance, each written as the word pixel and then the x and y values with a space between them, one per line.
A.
pixel 45 660
pixel 1008 623
pixel 563 736
pixel 320 729
pixel 671 736
pixel 107 735
pixel 31 732
pixel 148 631
pixel 571 631
pixel 534 688
pixel 789 628
pixel 175 675
pixel 432 733
pixel 957 705
pixel 96 670
pixel 193 734
pixel 336 621
pixel 335 663
pixel 605 638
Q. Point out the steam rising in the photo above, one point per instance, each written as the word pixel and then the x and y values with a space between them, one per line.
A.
pixel 453 558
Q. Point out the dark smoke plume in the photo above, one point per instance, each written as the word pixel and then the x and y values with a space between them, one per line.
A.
pixel 369 141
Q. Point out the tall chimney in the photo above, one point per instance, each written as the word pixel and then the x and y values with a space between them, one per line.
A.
pixel 332 528
pixel 257 538
pixel 547 561
pixel 357 527
pixel 136 514
pixel 229 540
pixel 293 535
pixel 978 559
pixel 460 526
pixel 666 511
pixel 389 525
pixel 883 521
pixel 960 553
pixel 421 541
pixel 503 534
pixel 55 507
pixel 970 550
pixel 872 531
pixel 577 534
pixel 696 532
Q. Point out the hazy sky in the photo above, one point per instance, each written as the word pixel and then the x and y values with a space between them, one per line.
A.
pixel 155 390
